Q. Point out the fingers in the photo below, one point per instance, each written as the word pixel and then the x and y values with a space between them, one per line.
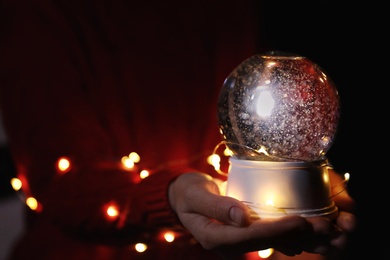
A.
pixel 223 223
pixel 324 230
pixel 219 222
pixel 340 194
pixel 290 235
pixel 347 221
pixel 324 226
pixel 199 194
pixel 261 234
pixel 224 209
pixel 344 201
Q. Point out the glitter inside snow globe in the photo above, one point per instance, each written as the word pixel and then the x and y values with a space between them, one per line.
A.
pixel 278 114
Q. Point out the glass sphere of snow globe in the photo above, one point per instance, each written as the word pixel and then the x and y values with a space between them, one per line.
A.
pixel 278 107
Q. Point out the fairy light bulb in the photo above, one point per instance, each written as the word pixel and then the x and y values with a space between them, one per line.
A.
pixel 278 106
pixel 278 114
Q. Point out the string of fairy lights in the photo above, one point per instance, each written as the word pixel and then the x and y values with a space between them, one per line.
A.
pixel 112 212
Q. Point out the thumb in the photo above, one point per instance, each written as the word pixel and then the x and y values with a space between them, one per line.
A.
pixel 198 193
pixel 224 209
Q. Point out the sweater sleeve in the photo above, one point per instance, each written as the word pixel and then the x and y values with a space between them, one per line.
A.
pixel 48 116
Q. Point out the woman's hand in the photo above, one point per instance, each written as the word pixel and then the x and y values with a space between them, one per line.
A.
pixel 346 220
pixel 224 224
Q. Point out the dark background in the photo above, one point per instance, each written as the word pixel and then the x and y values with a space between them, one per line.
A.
pixel 348 42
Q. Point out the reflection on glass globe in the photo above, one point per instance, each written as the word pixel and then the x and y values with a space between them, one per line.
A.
pixel 277 107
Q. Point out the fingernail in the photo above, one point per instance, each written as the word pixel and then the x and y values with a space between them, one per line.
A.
pixel 236 216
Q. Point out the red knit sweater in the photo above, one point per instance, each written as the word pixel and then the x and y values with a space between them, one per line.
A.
pixel 93 81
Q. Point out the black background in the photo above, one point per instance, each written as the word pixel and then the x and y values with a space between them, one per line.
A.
pixel 348 42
